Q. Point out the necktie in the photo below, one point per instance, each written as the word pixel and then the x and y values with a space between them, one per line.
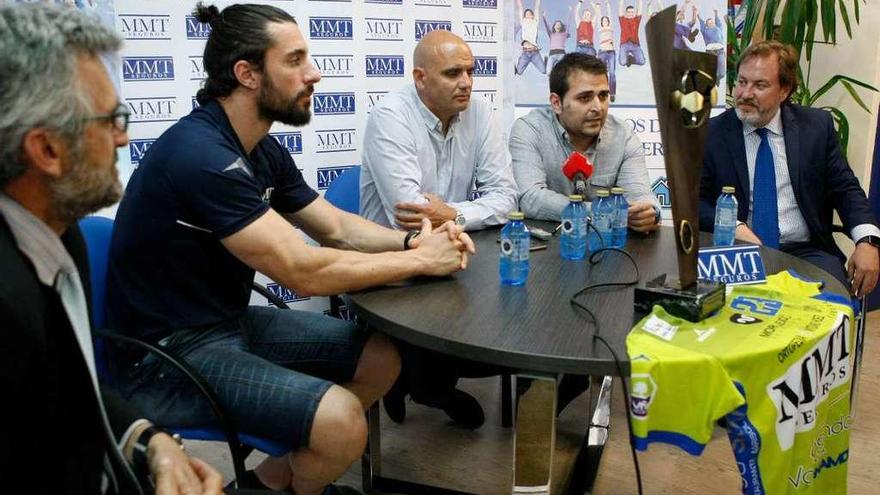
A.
pixel 765 216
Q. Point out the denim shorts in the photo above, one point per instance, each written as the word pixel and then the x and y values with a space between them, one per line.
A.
pixel 269 368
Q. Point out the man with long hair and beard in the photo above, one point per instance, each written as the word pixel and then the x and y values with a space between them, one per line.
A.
pixel 215 199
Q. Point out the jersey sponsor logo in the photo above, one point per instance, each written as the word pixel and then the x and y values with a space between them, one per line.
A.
pixel 480 4
pixel 757 305
pixel 374 97
pixel 742 319
pixel 485 66
pixel 283 293
pixel 808 381
pixel 642 392
pixel 333 103
pixel 144 26
pixel 424 27
pixel 841 425
pixel 335 140
pixel 480 32
pixel 137 148
pixel 197 68
pixel 806 476
pixel 334 65
pixel 488 95
pixel 330 28
pixel 380 29
pixel 790 348
pixel 290 141
pixel 384 65
pixel 147 69
pixel 326 175
pixel 196 30
pixel 154 109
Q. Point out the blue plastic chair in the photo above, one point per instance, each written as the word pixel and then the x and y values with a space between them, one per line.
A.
pixel 345 190
pixel 97 232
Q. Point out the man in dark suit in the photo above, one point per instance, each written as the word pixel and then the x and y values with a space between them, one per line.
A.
pixel 786 165
pixel 60 125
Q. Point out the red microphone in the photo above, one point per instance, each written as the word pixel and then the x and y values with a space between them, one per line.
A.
pixel 578 170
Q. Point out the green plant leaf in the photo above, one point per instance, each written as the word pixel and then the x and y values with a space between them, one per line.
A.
pixel 855 95
pixel 845 16
pixel 842 125
pixel 847 82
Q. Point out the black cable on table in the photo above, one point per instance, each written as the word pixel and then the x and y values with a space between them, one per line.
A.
pixel 597 337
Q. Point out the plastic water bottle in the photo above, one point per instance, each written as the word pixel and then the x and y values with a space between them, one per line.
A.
pixel 725 217
pixel 618 225
pixel 573 242
pixel 513 266
pixel 603 215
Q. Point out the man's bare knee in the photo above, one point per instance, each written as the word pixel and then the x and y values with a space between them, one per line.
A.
pixel 339 430
pixel 380 361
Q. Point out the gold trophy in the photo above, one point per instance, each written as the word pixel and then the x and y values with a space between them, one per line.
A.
pixel 685 91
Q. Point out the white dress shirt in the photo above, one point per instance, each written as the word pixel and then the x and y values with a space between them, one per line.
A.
pixel 406 155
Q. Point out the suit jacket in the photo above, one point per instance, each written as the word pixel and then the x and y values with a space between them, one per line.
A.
pixel 51 438
pixel 820 176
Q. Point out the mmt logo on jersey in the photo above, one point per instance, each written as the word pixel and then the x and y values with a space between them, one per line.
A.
pixel 153 109
pixel 384 66
pixel 425 27
pixel 485 66
pixel 137 148
pixel 197 68
pixel 480 4
pixel 147 69
pixel 374 97
pixel 283 293
pixel 290 141
pixel 333 103
pixel 144 26
pixel 480 32
pixel 381 29
pixel 330 28
pixel 327 174
pixel 196 30
pixel 335 140
pixel 334 65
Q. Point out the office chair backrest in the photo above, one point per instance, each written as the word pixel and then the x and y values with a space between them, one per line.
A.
pixel 97 232
pixel 345 191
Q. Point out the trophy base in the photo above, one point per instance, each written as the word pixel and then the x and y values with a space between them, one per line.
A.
pixel 693 303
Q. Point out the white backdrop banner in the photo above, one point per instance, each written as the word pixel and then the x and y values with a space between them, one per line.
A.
pixel 363 49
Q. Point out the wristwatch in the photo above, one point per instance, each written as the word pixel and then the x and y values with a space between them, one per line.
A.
pixel 870 239
pixel 459 218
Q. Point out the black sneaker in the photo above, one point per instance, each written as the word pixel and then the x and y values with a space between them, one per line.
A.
pixel 394 402
pixel 464 409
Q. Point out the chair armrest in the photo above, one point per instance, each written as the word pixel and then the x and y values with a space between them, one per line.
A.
pixel 272 298
pixel 227 424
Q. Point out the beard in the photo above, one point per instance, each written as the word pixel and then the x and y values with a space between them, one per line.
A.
pixel 754 115
pixel 274 106
pixel 86 187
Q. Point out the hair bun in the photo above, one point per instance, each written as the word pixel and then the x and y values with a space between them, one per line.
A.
pixel 206 13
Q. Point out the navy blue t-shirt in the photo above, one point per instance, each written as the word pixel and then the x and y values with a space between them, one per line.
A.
pixel 194 186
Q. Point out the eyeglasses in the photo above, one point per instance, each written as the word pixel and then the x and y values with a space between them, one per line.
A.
pixel 119 117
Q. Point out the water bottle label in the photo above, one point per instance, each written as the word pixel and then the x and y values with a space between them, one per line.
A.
pixel 567 226
pixel 726 216
pixel 506 247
